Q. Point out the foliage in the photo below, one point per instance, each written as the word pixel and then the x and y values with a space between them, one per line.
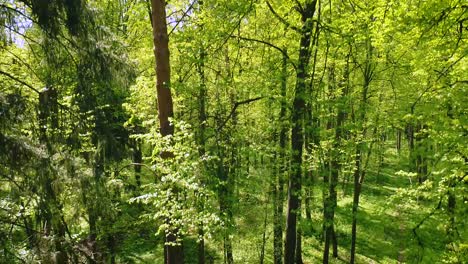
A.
pixel 84 173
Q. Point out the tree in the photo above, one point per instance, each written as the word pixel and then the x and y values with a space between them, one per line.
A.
pixel 297 115
pixel 173 250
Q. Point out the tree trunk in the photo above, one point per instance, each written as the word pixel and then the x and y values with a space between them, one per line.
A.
pixel 297 134
pixel 49 205
pixel 359 172
pixel 137 159
pixel 279 183
pixel 357 191
pixel 163 69
pixel 173 249
pixel 299 235
pixel 201 140
pixel 335 166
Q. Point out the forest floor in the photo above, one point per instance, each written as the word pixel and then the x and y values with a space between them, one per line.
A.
pixel 383 234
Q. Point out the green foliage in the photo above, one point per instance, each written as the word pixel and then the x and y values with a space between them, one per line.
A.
pixel 84 171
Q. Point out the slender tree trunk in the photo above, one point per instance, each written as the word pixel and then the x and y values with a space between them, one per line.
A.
pixel 225 208
pixel 357 191
pixel 279 183
pixel 398 140
pixel 50 207
pixel 359 172
pixel 137 159
pixel 201 140
pixel 299 236
pixel 262 249
pixel 297 134
pixel 163 69
pixel 335 166
pixel 335 243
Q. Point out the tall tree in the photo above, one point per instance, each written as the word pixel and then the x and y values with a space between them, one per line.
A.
pixel 173 250
pixel 297 136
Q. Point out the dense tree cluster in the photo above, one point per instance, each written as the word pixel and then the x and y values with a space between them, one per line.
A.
pixel 219 131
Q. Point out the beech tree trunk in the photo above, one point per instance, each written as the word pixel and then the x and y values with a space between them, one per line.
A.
pixel 335 166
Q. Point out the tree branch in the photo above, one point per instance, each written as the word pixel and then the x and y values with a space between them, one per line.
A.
pixel 20 81
pixel 237 104
pixel 270 45
pixel 182 18
pixel 281 19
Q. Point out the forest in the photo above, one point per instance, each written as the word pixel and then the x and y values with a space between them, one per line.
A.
pixel 233 131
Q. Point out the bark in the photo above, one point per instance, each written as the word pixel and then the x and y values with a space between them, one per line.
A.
pixel 451 203
pixel 299 236
pixel 262 250
pixel 335 166
pixel 398 140
pixel 163 69
pixel 50 207
pixel 297 134
pixel 279 188
pixel 201 139
pixel 357 191
pixel 137 159
pixel 225 207
pixel 173 250
pixel 359 173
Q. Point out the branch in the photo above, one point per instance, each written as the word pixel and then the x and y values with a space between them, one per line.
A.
pixel 414 229
pixel 285 54
pixel 138 164
pixel 281 19
pixel 20 81
pixel 299 6
pixel 237 104
pixel 15 11
pixel 182 18
pixel 441 74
